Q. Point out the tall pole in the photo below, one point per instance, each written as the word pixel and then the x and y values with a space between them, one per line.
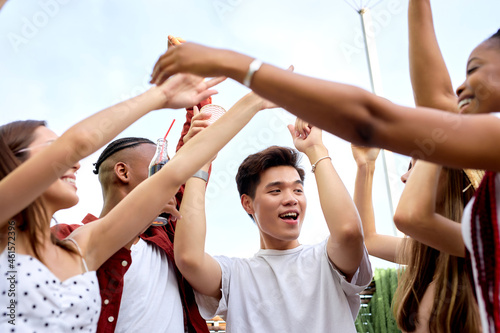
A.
pixel 371 51
pixel 376 84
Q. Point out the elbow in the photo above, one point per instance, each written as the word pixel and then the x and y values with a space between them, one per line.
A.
pixel 365 132
pixel 367 123
pixel 186 262
pixel 402 220
pixel 371 245
pixel 406 221
pixel 351 234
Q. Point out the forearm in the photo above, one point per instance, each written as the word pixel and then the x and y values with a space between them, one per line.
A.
pixel 180 143
pixel 345 244
pixel 430 79
pixel 199 268
pixel 363 198
pixel 190 232
pixel 32 178
pixel 95 131
pixel 338 208
pixel 382 246
pixel 297 93
pixel 419 195
pixel 416 212
pixel 301 94
pixel 362 118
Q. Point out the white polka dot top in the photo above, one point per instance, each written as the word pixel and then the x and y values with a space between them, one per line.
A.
pixel 42 302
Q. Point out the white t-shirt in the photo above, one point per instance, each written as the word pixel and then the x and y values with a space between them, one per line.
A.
pixel 150 301
pixel 297 290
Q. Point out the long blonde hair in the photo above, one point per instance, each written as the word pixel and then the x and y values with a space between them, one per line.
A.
pixel 454 308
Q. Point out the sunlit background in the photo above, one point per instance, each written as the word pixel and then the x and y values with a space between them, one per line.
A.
pixel 64 60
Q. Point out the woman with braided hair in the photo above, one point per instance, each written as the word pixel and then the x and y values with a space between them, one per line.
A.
pixel 455 140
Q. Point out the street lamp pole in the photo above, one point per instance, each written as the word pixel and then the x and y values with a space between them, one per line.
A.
pixel 376 85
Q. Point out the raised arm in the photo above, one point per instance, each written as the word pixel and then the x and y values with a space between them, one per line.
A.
pixel 345 245
pixel 189 129
pixel 27 182
pixel 199 268
pixel 430 79
pixel 135 212
pixel 378 245
pixel 416 212
pixel 352 113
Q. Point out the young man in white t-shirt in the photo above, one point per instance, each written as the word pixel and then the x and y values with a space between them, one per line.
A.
pixel 286 286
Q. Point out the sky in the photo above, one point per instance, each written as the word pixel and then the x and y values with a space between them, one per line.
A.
pixel 63 60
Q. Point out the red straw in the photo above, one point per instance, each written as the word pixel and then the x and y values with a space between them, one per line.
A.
pixel 165 137
pixel 173 121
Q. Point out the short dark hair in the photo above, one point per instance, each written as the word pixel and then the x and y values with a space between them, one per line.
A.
pixel 248 176
pixel 496 34
pixel 116 146
pixel 495 38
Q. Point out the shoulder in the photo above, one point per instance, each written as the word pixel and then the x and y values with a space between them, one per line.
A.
pixel 62 231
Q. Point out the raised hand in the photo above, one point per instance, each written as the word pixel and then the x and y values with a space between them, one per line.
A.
pixel 186 90
pixel 364 155
pixel 189 58
pixel 311 137
pixel 199 122
pixel 171 208
pixel 173 41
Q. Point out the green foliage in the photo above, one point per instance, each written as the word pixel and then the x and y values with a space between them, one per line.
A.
pixel 376 316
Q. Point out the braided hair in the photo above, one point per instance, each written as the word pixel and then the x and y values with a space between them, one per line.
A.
pixel 116 146
pixel 486 246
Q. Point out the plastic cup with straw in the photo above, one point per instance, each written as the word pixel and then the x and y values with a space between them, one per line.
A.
pixel 215 111
pixel 159 160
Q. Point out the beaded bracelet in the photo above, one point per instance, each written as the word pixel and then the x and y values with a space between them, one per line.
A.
pixel 314 165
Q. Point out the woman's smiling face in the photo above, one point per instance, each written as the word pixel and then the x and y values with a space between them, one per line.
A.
pixel 62 193
pixel 480 93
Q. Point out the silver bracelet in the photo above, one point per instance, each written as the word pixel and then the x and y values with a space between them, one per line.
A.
pixel 254 67
pixel 314 165
pixel 202 175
